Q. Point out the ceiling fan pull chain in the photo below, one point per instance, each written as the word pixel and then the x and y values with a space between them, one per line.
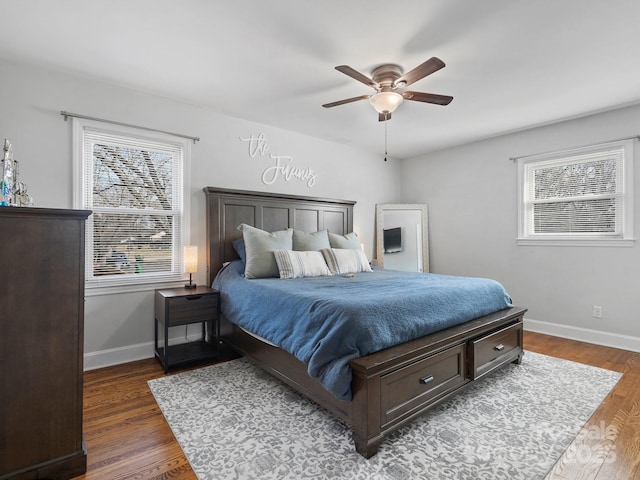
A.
pixel 385 138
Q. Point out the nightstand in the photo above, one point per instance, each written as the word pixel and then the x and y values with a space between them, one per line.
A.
pixel 181 306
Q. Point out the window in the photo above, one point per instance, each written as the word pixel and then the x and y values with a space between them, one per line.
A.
pixel 132 180
pixel 577 197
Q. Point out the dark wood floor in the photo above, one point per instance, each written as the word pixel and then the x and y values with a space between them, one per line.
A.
pixel 127 436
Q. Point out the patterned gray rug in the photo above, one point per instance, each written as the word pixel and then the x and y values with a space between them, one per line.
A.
pixel 234 421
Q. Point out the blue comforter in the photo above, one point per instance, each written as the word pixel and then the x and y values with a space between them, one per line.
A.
pixel 328 321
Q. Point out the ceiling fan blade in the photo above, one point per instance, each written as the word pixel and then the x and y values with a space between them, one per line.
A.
pixel 383 117
pixel 347 70
pixel 346 100
pixel 427 68
pixel 427 97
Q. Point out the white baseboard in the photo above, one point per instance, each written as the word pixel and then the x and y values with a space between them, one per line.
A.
pixel 129 353
pixel 598 337
pixel 116 356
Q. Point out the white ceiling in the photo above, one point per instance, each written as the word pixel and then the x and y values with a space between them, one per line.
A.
pixel 511 64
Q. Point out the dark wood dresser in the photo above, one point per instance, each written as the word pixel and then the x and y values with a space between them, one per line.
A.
pixel 41 342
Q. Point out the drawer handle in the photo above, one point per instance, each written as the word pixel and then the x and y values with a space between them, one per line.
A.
pixel 193 297
pixel 427 379
pixel 499 348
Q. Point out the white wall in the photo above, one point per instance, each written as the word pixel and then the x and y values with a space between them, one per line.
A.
pixel 471 192
pixel 120 327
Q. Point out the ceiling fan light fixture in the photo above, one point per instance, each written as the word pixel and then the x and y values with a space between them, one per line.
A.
pixel 385 102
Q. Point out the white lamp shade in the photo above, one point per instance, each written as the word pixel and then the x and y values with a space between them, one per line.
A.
pixel 385 101
pixel 190 259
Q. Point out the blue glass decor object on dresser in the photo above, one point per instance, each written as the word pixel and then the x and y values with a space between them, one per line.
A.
pixel 12 192
pixel 6 183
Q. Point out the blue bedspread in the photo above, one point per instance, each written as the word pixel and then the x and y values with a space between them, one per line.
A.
pixel 328 321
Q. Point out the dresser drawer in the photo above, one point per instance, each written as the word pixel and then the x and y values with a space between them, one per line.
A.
pixel 491 351
pixel 421 383
pixel 192 308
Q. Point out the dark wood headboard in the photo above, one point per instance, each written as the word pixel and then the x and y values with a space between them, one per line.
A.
pixel 226 209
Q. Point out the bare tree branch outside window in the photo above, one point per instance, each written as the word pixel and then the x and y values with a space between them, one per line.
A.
pixel 133 225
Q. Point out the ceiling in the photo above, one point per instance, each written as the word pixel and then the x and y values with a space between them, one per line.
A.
pixel 511 64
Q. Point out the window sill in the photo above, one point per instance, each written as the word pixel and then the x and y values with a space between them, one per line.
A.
pixel 98 290
pixel 577 242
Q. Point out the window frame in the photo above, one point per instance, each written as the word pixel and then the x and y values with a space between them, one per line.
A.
pixel 624 219
pixel 111 284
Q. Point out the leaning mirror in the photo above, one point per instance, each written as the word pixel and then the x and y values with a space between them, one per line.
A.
pixel 402 237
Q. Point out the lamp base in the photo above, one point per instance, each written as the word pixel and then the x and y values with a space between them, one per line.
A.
pixel 190 285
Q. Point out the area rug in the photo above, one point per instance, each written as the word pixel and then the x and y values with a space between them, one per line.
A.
pixel 232 420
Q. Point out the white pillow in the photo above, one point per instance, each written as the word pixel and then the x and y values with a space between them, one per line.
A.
pixel 294 264
pixel 346 260
pixel 259 245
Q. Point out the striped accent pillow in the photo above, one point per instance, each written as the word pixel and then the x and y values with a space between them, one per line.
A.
pixel 295 264
pixel 346 260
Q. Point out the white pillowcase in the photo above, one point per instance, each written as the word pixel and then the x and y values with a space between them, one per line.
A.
pixel 346 260
pixel 295 264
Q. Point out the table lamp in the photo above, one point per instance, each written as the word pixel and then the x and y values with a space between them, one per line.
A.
pixel 190 263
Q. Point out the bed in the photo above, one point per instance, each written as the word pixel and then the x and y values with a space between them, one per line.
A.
pixel 390 387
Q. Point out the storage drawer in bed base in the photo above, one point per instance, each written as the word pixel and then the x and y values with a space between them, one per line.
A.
pixel 422 383
pixel 489 352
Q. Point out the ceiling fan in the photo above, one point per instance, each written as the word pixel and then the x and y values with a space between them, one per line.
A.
pixel 389 83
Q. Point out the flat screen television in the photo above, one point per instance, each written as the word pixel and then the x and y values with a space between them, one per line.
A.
pixel 392 240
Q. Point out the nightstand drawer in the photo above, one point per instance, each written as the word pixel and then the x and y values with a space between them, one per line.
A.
pixel 489 352
pixel 192 308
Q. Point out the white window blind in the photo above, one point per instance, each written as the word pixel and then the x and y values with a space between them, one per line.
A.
pixel 583 194
pixel 133 184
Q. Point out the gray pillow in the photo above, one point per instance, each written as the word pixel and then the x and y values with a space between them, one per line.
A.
pixel 259 246
pixel 350 240
pixel 306 242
